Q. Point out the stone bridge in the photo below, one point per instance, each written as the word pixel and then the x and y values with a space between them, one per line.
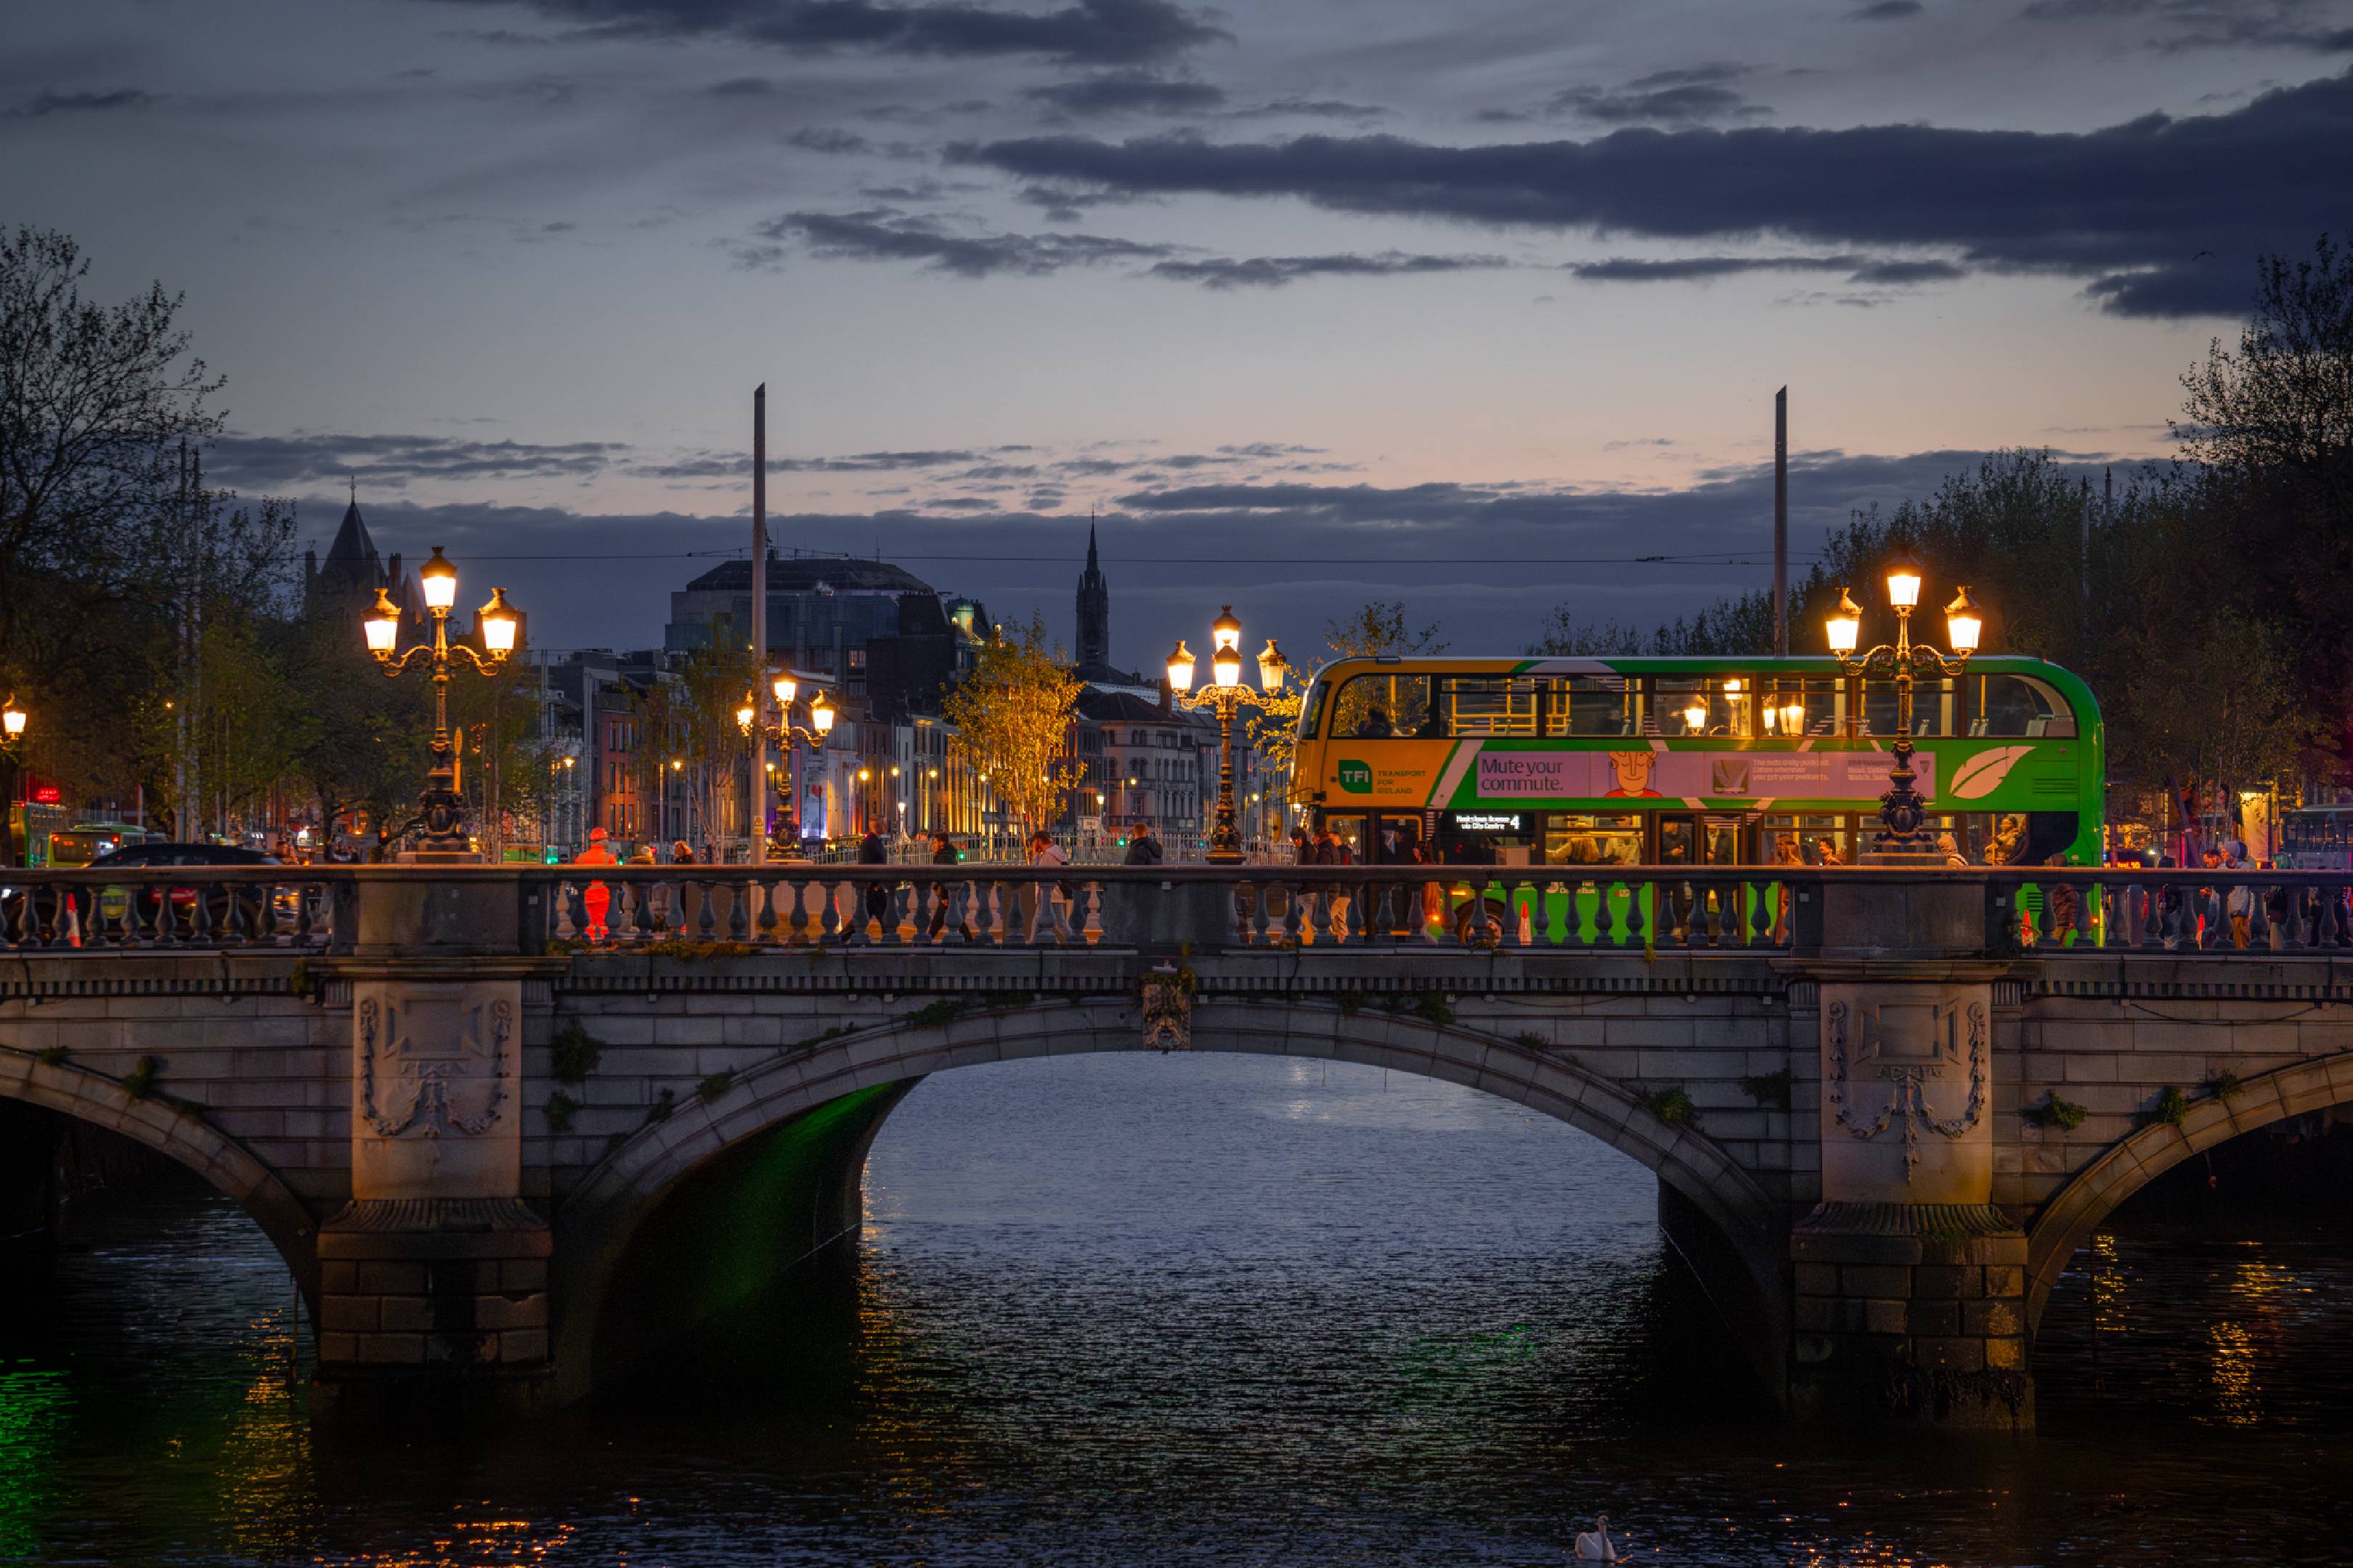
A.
pixel 518 1135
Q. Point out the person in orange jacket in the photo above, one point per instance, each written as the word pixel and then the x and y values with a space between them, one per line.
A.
pixel 597 897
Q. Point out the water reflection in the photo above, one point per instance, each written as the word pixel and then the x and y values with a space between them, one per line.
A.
pixel 1199 1312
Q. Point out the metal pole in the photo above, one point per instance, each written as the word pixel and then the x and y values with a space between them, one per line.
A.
pixel 1781 523
pixel 759 824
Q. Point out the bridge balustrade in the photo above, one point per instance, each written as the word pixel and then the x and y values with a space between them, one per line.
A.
pixel 2029 913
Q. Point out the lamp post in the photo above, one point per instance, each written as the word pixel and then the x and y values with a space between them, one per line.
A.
pixel 12 719
pixel 1228 694
pixel 445 838
pixel 784 732
pixel 1901 808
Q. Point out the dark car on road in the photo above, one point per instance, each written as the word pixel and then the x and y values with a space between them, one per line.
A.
pixel 252 900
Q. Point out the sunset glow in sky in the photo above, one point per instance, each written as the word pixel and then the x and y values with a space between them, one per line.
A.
pixel 1460 304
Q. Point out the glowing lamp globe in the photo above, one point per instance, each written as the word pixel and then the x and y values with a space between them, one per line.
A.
pixel 821 714
pixel 1272 666
pixel 1963 623
pixel 1180 667
pixel 382 623
pixel 1227 631
pixel 1845 624
pixel 1903 582
pixel 439 579
pixel 499 624
pixel 784 687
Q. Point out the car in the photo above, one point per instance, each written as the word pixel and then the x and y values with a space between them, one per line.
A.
pixel 251 908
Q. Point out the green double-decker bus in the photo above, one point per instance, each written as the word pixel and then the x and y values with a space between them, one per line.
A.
pixel 1594 762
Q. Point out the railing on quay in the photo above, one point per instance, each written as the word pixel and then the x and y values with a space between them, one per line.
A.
pixel 2028 913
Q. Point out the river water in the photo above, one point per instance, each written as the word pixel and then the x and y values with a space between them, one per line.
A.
pixel 1200 1310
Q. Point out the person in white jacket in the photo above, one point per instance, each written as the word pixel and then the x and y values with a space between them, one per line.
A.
pixel 1045 854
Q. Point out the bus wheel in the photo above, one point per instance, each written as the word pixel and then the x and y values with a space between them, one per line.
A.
pixel 1481 920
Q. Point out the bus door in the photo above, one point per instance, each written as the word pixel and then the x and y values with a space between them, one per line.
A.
pixel 1350 830
pixel 1390 839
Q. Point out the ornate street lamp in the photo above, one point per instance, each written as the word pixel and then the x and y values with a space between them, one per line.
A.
pixel 12 722
pixel 1901 808
pixel 784 732
pixel 1226 694
pixel 445 838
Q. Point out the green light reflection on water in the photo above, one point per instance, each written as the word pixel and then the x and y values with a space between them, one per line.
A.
pixel 35 1405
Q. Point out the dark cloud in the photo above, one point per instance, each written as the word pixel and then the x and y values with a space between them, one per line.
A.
pixel 1274 271
pixel 1694 95
pixel 1127 92
pixel 1089 32
pixel 825 139
pixel 1699 268
pixel 738 464
pixel 885 233
pixel 2175 25
pixel 261 463
pixel 1314 108
pixel 1885 11
pixel 743 86
pixel 2128 206
pixel 1484 560
pixel 85 103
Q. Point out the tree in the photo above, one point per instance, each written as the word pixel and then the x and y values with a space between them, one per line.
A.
pixel 2283 403
pixel 1012 714
pixel 1377 629
pixel 95 403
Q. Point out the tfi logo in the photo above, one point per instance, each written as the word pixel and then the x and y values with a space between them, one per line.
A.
pixel 1356 778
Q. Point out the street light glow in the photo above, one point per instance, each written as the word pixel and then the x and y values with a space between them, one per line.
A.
pixel 439 579
pixel 1963 624
pixel 497 622
pixel 1180 667
pixel 1846 623
pixel 382 623
pixel 1903 582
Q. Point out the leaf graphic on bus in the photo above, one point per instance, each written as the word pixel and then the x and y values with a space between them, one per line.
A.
pixel 1983 774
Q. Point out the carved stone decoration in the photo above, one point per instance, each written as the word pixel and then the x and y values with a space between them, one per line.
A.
pixel 1914 1058
pixel 435 1083
pixel 1168 1009
pixel 433 1065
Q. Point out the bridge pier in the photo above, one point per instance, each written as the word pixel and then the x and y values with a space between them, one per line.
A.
pixel 1909 1284
pixel 433 1279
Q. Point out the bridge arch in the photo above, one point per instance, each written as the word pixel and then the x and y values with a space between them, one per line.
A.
pixel 598 1221
pixel 181 1135
pixel 2067 1221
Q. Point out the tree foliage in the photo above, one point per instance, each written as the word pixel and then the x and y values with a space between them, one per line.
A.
pixel 1012 714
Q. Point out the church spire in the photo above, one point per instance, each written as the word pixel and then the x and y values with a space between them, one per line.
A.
pixel 1094 613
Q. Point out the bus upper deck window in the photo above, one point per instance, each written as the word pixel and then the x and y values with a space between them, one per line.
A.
pixel 2018 707
pixel 1382 707
pixel 1587 705
pixel 1487 705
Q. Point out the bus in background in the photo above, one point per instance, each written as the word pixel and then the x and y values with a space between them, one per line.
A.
pixel 2317 838
pixel 1698 762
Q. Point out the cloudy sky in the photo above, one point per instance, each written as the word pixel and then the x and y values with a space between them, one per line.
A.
pixel 1479 305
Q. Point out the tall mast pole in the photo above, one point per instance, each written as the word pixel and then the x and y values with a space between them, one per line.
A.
pixel 1781 522
pixel 759 620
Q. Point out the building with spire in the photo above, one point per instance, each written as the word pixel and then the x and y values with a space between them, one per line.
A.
pixel 343 585
pixel 1095 620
